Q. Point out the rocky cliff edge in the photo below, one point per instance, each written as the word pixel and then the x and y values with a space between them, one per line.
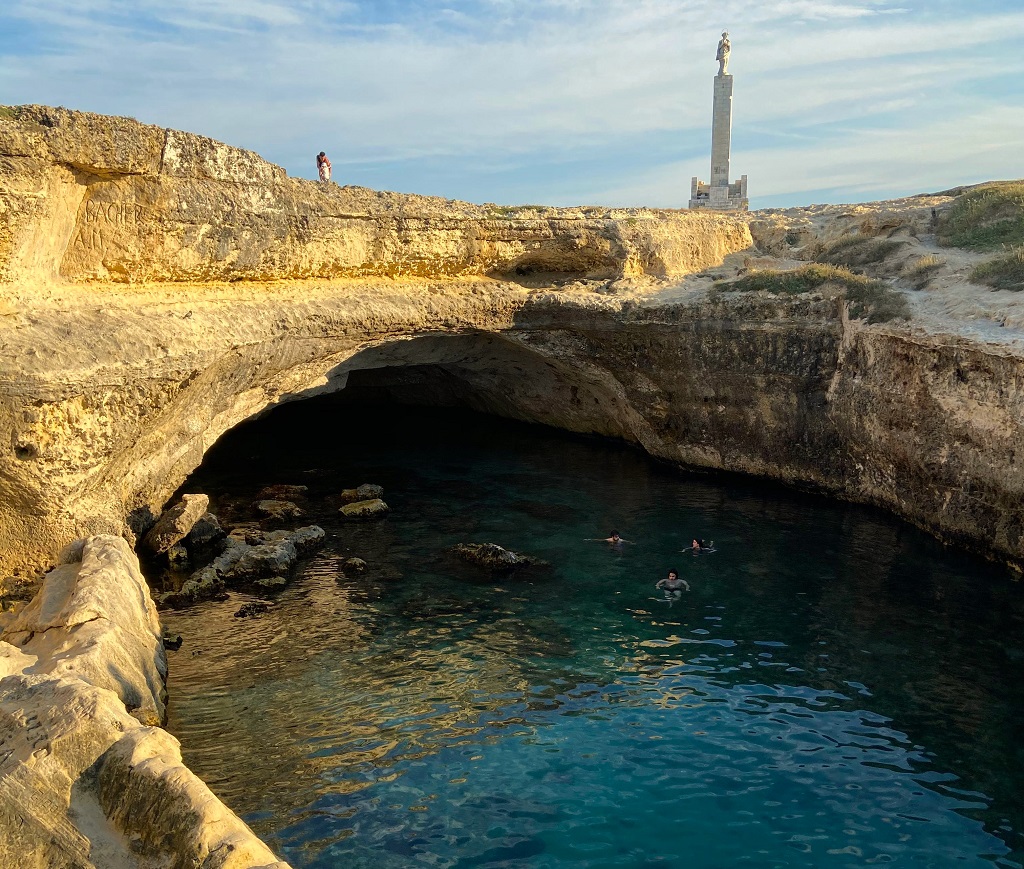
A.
pixel 86 778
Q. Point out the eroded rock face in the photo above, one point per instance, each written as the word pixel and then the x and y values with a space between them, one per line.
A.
pixel 95 619
pixel 275 509
pixel 114 401
pixel 130 202
pixel 107 416
pixel 86 783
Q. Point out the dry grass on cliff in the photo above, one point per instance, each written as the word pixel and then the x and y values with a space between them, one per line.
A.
pixel 1002 273
pixel 985 218
pixel 857 249
pixel 922 270
pixel 871 300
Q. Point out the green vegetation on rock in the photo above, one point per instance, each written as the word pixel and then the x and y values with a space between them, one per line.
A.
pixel 985 218
pixel 1002 273
pixel 869 299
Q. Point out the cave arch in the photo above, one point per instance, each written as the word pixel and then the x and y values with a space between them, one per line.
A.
pixel 512 374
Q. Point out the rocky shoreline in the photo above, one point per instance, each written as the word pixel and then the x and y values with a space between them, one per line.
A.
pixel 88 776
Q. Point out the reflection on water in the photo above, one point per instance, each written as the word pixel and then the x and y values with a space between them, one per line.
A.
pixel 836 690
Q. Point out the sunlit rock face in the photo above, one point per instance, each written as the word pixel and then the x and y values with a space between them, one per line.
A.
pixel 160 288
pixel 91 197
pixel 89 779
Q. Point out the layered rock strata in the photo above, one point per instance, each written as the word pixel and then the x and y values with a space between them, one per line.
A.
pixel 89 197
pixel 111 393
pixel 87 780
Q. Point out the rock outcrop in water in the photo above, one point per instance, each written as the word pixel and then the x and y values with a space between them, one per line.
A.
pixel 492 557
pixel 263 559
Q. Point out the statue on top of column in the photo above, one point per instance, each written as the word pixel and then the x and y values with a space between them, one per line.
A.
pixel 724 47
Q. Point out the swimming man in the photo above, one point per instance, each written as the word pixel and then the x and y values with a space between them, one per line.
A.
pixel 672 584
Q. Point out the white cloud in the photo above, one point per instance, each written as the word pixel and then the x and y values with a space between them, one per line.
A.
pixel 949 151
pixel 506 82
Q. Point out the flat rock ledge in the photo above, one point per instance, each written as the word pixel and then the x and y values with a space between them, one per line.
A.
pixel 87 779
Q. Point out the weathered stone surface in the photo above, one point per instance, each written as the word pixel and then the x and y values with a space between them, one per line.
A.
pixel 306 540
pixel 95 619
pixel 494 557
pixel 146 791
pixel 365 492
pixel 84 784
pixel 144 203
pixel 174 524
pixel 267 559
pixel 375 508
pixel 249 556
pixel 282 510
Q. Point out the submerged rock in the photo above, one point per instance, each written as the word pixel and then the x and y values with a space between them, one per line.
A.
pixel 174 524
pixel 365 492
pixel 282 492
pixel 372 509
pixel 278 509
pixel 494 557
pixel 353 565
pixel 251 610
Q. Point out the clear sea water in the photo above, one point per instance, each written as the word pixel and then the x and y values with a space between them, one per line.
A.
pixel 837 689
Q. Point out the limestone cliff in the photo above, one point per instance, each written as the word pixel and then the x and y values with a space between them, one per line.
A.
pixel 114 384
pixel 158 288
pixel 87 197
pixel 85 784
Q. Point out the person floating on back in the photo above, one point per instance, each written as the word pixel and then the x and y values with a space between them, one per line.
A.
pixel 323 166
pixel 672 584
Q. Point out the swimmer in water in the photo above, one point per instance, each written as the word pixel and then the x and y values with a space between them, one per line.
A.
pixel 699 546
pixel 614 539
pixel 672 584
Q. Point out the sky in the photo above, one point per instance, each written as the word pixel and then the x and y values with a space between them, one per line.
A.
pixel 555 102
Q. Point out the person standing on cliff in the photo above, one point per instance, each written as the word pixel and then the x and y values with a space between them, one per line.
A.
pixel 323 166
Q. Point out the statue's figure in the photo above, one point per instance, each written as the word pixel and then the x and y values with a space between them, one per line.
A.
pixel 724 47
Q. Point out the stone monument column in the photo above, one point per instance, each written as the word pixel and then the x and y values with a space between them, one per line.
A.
pixel 718 193
pixel 721 130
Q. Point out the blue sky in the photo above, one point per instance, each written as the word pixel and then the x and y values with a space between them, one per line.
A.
pixel 558 102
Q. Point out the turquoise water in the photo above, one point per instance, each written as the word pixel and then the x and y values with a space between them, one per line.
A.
pixel 837 689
